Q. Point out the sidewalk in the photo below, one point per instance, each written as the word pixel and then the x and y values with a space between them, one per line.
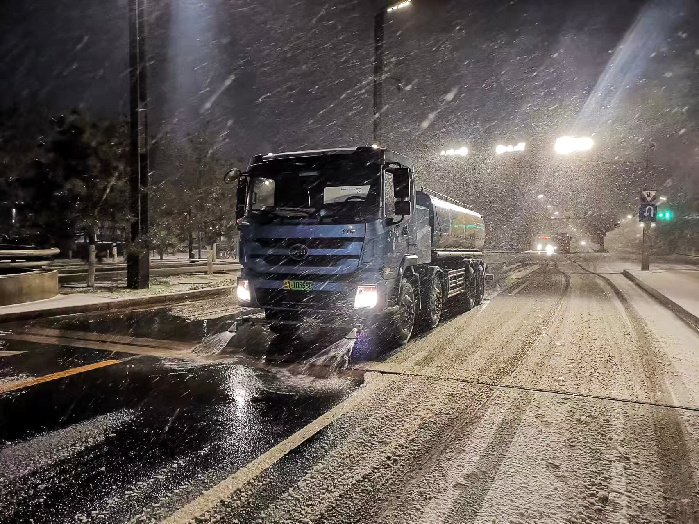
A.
pixel 673 280
pixel 105 297
pixel 676 289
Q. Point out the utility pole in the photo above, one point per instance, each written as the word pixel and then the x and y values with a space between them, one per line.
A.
pixel 379 25
pixel 138 258
pixel 379 30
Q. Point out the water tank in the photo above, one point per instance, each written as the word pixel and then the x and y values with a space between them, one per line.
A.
pixel 453 227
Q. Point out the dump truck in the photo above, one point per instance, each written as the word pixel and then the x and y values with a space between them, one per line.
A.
pixel 341 237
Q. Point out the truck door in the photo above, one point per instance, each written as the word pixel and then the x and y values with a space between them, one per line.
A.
pixel 398 234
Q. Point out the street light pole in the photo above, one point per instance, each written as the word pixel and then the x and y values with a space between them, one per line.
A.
pixel 379 25
pixel 137 259
pixel 379 28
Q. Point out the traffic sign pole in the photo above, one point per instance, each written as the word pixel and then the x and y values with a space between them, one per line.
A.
pixel 647 213
pixel 645 251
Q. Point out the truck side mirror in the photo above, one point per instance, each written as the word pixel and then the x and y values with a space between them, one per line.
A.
pixel 232 175
pixel 401 183
pixel 403 207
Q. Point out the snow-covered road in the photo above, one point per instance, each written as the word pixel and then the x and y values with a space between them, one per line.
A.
pixel 574 400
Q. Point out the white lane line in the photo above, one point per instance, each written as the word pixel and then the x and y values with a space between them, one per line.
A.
pixel 10 353
pixel 208 500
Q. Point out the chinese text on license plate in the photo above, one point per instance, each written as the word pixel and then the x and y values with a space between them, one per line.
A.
pixel 298 285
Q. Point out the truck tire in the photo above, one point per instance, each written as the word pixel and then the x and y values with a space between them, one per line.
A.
pixel 402 322
pixel 480 285
pixel 432 302
pixel 466 300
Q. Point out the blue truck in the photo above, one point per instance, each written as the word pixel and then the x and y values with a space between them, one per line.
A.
pixel 341 237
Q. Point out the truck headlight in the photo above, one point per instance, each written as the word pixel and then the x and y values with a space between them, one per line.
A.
pixel 366 297
pixel 243 290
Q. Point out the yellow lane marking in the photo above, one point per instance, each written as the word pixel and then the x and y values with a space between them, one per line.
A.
pixel 101 337
pixel 106 346
pixel 223 490
pixel 54 376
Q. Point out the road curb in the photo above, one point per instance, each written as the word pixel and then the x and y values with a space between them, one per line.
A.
pixel 117 304
pixel 71 278
pixel 673 306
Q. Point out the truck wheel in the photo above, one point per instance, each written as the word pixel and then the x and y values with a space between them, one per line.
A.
pixel 433 303
pixel 480 286
pixel 401 324
pixel 466 300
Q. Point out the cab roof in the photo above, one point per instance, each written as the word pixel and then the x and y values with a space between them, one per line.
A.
pixel 387 155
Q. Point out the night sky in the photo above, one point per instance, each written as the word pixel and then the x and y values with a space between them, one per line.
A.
pixel 275 75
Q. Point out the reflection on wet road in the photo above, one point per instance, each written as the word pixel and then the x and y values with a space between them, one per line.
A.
pixel 93 430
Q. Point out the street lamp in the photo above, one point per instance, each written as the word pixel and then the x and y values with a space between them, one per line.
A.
pixel 462 151
pixel 570 144
pixel 401 5
pixel 379 25
pixel 500 149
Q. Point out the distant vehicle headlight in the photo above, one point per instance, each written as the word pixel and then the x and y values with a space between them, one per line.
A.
pixel 243 290
pixel 366 297
pixel 539 247
pixel 550 250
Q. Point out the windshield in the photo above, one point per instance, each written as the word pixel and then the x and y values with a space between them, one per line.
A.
pixel 329 187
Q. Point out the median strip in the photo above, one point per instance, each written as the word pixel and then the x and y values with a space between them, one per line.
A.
pixel 55 376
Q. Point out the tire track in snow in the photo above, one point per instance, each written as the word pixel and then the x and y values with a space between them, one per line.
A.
pixel 673 449
pixel 428 452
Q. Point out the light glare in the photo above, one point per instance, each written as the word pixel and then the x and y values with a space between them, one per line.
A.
pixel 243 291
pixel 462 151
pixel 500 149
pixel 401 5
pixel 570 144
pixel 366 297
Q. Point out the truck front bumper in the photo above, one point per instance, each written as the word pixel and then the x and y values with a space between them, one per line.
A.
pixel 326 300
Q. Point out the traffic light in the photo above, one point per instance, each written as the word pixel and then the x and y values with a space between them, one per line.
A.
pixel 665 215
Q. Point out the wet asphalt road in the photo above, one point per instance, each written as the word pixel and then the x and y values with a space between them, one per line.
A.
pixel 566 397
pixel 106 443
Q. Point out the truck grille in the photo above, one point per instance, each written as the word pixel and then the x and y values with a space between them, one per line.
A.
pixel 310 243
pixel 309 261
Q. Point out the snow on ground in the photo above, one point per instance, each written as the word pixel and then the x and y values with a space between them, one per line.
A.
pixel 560 402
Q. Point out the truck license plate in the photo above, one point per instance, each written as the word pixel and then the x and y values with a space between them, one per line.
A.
pixel 298 285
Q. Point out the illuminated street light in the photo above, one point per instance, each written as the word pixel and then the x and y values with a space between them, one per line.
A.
pixel 540 196
pixel 462 151
pixel 500 149
pixel 400 5
pixel 582 242
pixel 569 144
pixel 662 198
pixel 629 216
